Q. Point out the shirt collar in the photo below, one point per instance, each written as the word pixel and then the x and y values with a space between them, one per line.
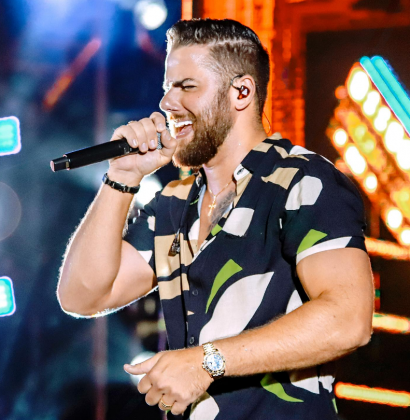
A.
pixel 248 165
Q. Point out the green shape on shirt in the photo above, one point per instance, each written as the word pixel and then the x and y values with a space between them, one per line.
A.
pixel 226 272
pixel 310 239
pixel 275 387
pixel 215 230
pixel 334 404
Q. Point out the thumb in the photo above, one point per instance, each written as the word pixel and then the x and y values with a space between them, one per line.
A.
pixel 143 367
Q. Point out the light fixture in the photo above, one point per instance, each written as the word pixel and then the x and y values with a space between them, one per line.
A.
pixel 370 183
pixel 393 136
pixel 151 13
pixel 394 218
pixel 355 160
pixel 340 137
pixel 359 85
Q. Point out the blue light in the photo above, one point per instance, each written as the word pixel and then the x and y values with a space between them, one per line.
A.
pixel 389 87
pixel 10 140
pixel 7 302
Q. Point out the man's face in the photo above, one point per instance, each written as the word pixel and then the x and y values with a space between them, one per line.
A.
pixel 197 107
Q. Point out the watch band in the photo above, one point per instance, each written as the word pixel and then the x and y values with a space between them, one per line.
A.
pixel 119 186
pixel 210 349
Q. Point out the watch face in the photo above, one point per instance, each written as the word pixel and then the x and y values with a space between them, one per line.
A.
pixel 214 362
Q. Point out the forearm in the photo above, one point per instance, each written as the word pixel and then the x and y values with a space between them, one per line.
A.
pixel 93 256
pixel 319 331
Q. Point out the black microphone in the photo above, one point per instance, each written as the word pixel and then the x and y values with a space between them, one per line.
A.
pixel 95 154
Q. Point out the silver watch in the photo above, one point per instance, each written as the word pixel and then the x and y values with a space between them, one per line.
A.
pixel 214 362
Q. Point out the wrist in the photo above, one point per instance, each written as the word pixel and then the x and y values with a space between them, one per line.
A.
pixel 124 177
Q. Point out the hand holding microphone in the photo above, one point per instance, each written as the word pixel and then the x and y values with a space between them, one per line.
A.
pixel 134 150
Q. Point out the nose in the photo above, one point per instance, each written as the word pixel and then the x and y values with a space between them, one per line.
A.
pixel 169 102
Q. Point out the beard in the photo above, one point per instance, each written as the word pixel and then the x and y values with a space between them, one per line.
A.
pixel 210 129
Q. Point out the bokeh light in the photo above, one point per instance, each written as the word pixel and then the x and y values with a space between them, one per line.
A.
pixel 394 218
pixel 149 186
pixel 151 13
pixel 359 85
pixel 355 160
pixel 370 183
pixel 10 211
pixel 340 137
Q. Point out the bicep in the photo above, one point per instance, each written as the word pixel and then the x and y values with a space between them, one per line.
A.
pixel 341 275
pixel 135 277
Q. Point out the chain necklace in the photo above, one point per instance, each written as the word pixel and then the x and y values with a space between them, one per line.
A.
pixel 213 205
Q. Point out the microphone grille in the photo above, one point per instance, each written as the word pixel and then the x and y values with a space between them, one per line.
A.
pixel 159 141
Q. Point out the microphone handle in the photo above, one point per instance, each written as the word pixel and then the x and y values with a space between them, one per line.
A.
pixel 95 154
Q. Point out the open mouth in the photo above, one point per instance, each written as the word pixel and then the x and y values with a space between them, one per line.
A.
pixel 182 128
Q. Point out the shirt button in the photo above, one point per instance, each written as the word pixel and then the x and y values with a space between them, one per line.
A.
pixel 195 292
pixel 192 340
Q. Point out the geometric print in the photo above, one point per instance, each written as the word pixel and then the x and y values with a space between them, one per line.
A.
pixel 290 203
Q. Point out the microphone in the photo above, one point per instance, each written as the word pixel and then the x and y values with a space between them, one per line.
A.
pixel 95 154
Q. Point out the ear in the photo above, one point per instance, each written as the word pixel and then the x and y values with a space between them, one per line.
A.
pixel 243 92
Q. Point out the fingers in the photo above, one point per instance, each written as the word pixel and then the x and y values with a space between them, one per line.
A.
pixel 177 408
pixel 144 367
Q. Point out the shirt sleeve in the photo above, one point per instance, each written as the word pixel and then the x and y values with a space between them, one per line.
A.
pixel 141 231
pixel 323 210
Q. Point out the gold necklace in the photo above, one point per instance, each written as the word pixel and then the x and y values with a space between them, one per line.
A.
pixel 213 205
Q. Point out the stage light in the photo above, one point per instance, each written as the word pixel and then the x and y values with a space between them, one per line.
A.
pixel 340 137
pixel 151 13
pixel 355 160
pixel 149 186
pixel 403 154
pixel 360 131
pixel 359 85
pixel 7 301
pixel 383 117
pixel 391 323
pixel 10 211
pixel 10 140
pixel 142 357
pixel 394 218
pixel 371 103
pixel 370 183
pixel 405 236
pixel 372 395
pixel 393 136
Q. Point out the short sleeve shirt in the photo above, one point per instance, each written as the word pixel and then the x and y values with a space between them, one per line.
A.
pixel 291 203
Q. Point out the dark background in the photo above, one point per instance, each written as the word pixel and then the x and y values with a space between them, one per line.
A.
pixel 47 358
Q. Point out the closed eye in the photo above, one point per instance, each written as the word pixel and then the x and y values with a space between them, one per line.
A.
pixel 187 87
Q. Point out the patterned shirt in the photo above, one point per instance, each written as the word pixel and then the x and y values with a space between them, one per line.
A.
pixel 290 203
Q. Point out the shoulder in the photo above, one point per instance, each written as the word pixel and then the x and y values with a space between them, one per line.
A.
pixel 179 188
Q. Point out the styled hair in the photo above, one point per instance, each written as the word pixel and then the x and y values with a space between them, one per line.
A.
pixel 235 50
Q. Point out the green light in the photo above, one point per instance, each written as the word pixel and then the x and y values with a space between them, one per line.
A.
pixel 7 302
pixel 10 141
pixel 389 87
pixel 392 82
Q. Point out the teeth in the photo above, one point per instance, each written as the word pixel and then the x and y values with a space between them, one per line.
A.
pixel 182 123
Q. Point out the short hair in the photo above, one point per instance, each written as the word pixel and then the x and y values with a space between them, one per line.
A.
pixel 234 48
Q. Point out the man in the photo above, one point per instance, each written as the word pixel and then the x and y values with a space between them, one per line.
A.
pixel 259 257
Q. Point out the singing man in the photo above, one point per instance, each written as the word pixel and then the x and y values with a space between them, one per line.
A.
pixel 259 257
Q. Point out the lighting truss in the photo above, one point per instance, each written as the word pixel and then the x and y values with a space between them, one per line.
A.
pixel 371 131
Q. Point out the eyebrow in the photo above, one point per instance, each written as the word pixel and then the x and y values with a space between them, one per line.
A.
pixel 178 83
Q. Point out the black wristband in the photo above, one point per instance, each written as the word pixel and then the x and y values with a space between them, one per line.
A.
pixel 119 186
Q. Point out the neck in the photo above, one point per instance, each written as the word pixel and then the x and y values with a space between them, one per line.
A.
pixel 240 141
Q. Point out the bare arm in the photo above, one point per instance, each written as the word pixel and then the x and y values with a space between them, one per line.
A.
pixel 334 322
pixel 101 271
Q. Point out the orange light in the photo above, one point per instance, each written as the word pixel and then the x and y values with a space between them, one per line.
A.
pixel 340 137
pixel 370 183
pixel 391 323
pixel 388 250
pixel 372 395
pixel 358 84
